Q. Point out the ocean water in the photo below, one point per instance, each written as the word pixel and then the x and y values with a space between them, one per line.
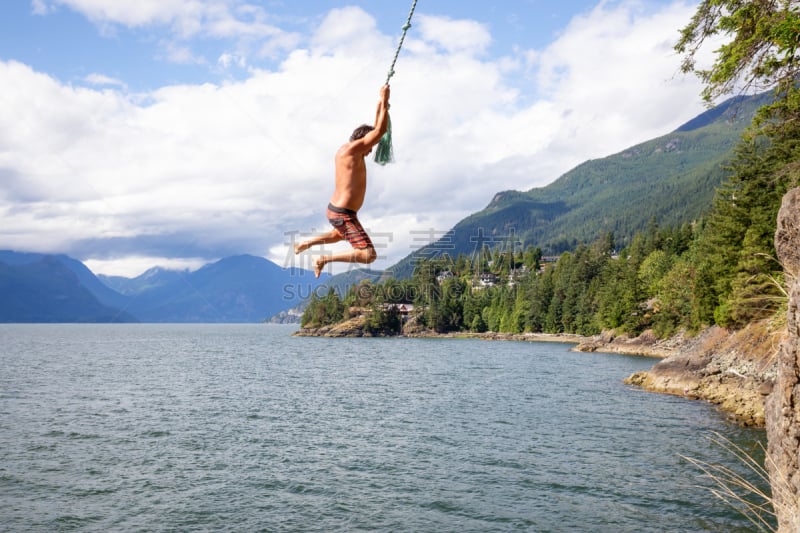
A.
pixel 246 428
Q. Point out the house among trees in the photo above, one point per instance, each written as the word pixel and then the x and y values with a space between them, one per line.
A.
pixel 488 279
pixel 404 309
pixel 444 275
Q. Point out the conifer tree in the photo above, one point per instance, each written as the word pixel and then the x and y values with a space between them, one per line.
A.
pixel 734 283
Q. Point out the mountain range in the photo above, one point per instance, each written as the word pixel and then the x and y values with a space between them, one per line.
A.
pixel 57 288
pixel 669 180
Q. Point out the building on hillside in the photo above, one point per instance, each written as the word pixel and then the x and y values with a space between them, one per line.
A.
pixel 404 309
pixel 488 279
pixel 444 275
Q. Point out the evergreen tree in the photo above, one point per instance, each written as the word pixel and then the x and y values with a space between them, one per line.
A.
pixel 674 299
pixel 450 316
pixel 323 311
pixel 761 53
pixel 611 310
pixel 538 292
pixel 334 308
pixel 532 258
pixel 522 309
pixel 735 283
pixel 384 316
pixel 654 267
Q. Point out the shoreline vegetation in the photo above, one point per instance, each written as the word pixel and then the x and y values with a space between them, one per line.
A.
pixel 734 370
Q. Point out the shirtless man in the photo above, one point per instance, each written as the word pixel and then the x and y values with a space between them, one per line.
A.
pixel 351 186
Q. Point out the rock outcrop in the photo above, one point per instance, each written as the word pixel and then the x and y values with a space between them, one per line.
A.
pixel 734 370
pixel 783 405
pixel 354 327
pixel 646 344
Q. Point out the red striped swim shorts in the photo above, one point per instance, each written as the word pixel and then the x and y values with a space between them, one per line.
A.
pixel 346 223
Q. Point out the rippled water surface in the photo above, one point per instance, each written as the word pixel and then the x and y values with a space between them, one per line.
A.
pixel 245 428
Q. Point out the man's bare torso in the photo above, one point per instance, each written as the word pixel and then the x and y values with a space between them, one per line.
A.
pixel 351 178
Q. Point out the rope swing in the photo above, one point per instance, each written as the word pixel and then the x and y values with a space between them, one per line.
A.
pixel 384 153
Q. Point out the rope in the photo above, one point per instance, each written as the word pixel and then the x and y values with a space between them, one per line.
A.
pixel 406 27
pixel 384 153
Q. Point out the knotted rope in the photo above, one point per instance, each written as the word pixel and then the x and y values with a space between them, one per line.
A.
pixel 384 153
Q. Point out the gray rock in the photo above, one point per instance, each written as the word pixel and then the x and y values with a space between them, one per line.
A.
pixel 782 410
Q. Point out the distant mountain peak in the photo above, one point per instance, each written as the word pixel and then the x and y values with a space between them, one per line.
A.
pixel 734 109
pixel 156 271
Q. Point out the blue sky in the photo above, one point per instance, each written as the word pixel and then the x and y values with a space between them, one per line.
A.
pixel 177 132
pixel 71 40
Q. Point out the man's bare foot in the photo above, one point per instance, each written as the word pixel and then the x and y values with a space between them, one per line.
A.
pixel 301 247
pixel 319 264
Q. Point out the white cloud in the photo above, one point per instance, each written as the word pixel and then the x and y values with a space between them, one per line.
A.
pixel 227 60
pixel 180 54
pixel 454 36
pixel 40 7
pixel 347 31
pixel 102 79
pixel 191 172
pixel 620 59
pixel 139 13
pixel 133 266
pixel 187 19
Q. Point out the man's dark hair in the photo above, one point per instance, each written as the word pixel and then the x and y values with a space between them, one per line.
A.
pixel 361 131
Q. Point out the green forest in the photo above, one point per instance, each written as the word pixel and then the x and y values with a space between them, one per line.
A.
pixel 717 270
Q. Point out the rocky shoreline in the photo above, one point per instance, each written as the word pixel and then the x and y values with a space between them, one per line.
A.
pixel 734 370
pixel 355 328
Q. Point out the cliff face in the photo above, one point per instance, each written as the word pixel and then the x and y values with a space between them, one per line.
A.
pixel 783 405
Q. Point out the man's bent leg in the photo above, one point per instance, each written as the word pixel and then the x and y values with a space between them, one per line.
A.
pixel 360 255
pixel 326 238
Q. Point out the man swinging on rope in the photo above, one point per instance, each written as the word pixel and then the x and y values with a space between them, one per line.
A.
pixel 348 196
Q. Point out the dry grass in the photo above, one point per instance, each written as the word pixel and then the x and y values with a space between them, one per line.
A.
pixel 760 340
pixel 742 492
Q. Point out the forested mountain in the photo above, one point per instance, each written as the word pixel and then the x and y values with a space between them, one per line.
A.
pixel 670 179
